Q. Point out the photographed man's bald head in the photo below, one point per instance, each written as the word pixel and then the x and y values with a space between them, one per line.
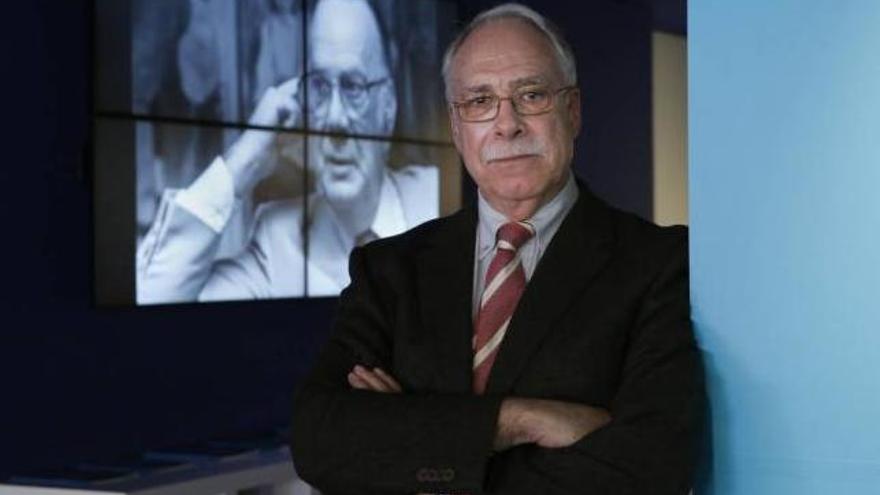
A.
pixel 346 30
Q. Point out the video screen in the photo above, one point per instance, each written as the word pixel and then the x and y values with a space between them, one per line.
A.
pixel 243 148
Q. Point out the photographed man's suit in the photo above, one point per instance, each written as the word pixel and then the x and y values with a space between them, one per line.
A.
pixel 603 321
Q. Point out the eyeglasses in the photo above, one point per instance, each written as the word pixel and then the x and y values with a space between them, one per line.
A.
pixel 353 88
pixel 526 101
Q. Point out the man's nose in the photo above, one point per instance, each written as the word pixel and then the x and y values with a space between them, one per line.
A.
pixel 337 114
pixel 508 124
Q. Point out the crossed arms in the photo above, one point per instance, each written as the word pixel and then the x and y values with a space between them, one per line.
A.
pixel 358 429
pixel 545 423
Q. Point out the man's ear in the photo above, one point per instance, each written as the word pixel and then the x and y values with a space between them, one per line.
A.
pixel 574 110
pixel 388 111
pixel 453 125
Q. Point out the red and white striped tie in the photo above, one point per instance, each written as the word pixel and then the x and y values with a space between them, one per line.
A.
pixel 505 282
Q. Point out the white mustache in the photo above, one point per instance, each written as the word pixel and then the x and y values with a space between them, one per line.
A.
pixel 502 150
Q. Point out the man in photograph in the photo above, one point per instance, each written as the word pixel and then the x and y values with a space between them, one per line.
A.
pixel 536 342
pixel 351 110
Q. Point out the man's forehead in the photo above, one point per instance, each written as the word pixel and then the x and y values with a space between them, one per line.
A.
pixel 484 84
pixel 344 32
pixel 505 53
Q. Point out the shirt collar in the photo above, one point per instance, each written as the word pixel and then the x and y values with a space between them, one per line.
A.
pixel 327 245
pixel 389 218
pixel 545 221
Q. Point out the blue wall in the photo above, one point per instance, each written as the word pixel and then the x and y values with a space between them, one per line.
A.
pixel 785 241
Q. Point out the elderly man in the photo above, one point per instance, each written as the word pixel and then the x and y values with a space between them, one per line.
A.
pixel 537 343
pixel 350 90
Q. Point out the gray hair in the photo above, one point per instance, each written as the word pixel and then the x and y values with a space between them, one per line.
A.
pixel 564 54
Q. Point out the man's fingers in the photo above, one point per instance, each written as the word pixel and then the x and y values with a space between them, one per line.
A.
pixel 279 105
pixel 373 381
pixel 376 380
pixel 560 424
pixel 388 379
pixel 265 112
pixel 288 104
pixel 356 382
pixel 289 88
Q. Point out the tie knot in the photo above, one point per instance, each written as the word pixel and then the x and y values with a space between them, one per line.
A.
pixel 512 235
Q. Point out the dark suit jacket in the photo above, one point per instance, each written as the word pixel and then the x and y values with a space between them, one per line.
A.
pixel 604 321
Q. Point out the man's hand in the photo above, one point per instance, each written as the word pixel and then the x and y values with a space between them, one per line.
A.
pixel 249 159
pixel 546 423
pixel 375 379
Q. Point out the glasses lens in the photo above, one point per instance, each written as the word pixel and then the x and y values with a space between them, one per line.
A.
pixel 478 108
pixel 320 89
pixel 533 100
pixel 354 90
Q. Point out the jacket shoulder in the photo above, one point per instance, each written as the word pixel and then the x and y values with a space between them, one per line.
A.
pixel 406 250
pixel 633 228
pixel 647 244
pixel 426 233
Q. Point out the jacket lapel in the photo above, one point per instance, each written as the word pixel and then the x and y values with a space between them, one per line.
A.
pixel 445 280
pixel 579 249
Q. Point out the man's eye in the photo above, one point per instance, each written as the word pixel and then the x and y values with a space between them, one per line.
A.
pixel 479 101
pixel 320 85
pixel 351 85
pixel 536 95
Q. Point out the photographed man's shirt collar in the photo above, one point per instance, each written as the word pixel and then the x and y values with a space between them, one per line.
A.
pixel 389 218
pixel 330 242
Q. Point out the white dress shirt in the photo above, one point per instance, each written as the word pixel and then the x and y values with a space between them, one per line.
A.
pixel 546 222
pixel 177 261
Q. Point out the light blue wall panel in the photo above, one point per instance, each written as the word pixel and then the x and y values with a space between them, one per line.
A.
pixel 785 241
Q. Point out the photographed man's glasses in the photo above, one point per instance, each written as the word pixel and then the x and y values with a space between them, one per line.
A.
pixel 526 101
pixel 354 90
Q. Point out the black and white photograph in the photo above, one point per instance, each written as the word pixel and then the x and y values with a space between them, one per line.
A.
pixel 265 139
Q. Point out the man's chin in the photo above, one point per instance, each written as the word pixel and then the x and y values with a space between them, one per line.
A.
pixel 515 190
pixel 345 191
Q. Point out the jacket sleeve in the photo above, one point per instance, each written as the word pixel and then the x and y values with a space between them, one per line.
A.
pixel 649 446
pixel 353 441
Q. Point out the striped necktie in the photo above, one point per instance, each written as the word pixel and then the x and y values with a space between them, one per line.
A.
pixel 505 282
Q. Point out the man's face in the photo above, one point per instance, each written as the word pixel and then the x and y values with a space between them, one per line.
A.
pixel 513 158
pixel 349 91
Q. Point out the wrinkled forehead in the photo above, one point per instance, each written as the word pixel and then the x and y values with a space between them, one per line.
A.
pixel 345 36
pixel 503 54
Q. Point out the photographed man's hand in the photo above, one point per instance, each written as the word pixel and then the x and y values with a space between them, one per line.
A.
pixel 249 159
pixel 546 423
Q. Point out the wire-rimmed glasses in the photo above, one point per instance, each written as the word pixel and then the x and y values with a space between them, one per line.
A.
pixel 531 100
pixel 354 90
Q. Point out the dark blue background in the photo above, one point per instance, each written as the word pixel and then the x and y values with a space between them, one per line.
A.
pixel 81 383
